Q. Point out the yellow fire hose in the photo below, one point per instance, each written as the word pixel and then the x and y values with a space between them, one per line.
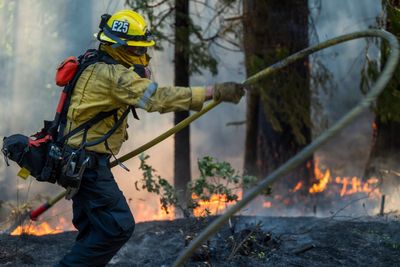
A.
pixel 304 154
pixel 378 87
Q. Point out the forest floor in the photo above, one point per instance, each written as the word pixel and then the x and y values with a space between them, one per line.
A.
pixel 245 241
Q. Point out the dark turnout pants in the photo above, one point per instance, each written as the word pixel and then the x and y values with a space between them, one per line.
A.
pixel 102 217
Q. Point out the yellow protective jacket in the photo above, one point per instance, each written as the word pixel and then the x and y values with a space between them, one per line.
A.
pixel 104 87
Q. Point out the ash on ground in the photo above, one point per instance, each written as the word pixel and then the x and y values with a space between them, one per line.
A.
pixel 245 241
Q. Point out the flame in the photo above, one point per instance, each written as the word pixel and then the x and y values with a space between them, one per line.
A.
pixel 215 205
pixel 267 204
pixel 150 213
pixel 218 203
pixel 323 180
pixel 42 229
pixel 347 185
pixel 354 185
pixel 298 186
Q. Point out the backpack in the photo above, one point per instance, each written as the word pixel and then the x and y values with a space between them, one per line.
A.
pixel 41 155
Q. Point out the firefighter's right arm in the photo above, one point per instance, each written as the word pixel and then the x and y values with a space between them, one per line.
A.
pixel 143 93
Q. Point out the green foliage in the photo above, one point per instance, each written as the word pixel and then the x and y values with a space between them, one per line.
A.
pixel 155 184
pixel 368 74
pixel 286 104
pixel 388 104
pixel 161 16
pixel 393 16
pixel 387 107
pixel 321 78
pixel 215 178
pixel 218 178
pixel 252 242
pixel 286 98
pixel 199 54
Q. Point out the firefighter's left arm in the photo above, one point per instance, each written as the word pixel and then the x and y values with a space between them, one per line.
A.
pixel 147 95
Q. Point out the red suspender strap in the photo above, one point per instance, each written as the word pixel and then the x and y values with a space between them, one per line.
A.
pixel 37 142
pixel 61 102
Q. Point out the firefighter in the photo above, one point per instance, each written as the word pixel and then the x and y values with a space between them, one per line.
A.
pixel 100 211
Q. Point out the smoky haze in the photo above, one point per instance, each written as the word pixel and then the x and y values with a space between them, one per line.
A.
pixel 37 35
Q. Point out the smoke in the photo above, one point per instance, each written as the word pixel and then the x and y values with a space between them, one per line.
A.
pixel 37 35
pixel 346 154
pixel 344 61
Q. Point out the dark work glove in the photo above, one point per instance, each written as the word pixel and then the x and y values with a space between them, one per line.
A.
pixel 228 92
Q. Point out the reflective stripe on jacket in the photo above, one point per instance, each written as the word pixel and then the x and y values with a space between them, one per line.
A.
pixel 104 87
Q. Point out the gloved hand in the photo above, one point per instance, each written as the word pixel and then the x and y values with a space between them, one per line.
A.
pixel 228 92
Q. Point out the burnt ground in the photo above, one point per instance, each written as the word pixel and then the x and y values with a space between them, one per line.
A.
pixel 249 241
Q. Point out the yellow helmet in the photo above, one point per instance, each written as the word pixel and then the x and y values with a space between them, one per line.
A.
pixel 125 27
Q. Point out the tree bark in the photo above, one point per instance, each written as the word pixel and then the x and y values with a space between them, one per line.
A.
pixel 278 113
pixel 385 149
pixel 182 139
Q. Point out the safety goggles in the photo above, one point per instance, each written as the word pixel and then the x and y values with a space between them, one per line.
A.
pixel 147 37
pixel 136 50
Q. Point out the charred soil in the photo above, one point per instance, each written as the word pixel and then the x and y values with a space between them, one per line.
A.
pixel 245 241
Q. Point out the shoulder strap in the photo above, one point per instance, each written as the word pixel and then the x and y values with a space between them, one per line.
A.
pixel 85 126
pixel 90 57
pixel 104 138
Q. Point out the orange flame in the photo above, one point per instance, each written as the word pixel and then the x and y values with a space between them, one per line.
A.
pixel 323 180
pixel 298 186
pixel 349 186
pixel 344 186
pixel 215 205
pixel 354 185
pixel 31 229
pixel 267 204
pixel 147 213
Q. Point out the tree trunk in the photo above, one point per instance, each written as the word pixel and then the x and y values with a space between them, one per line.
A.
pixel 182 138
pixel 278 113
pixel 384 157
pixel 385 148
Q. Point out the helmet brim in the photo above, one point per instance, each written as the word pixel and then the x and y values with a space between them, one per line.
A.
pixel 105 38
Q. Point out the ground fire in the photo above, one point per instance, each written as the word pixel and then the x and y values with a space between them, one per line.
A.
pixel 43 228
pixel 341 185
pixel 32 229
pixel 325 184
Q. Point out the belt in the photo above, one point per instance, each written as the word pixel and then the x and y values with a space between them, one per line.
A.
pixel 95 159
